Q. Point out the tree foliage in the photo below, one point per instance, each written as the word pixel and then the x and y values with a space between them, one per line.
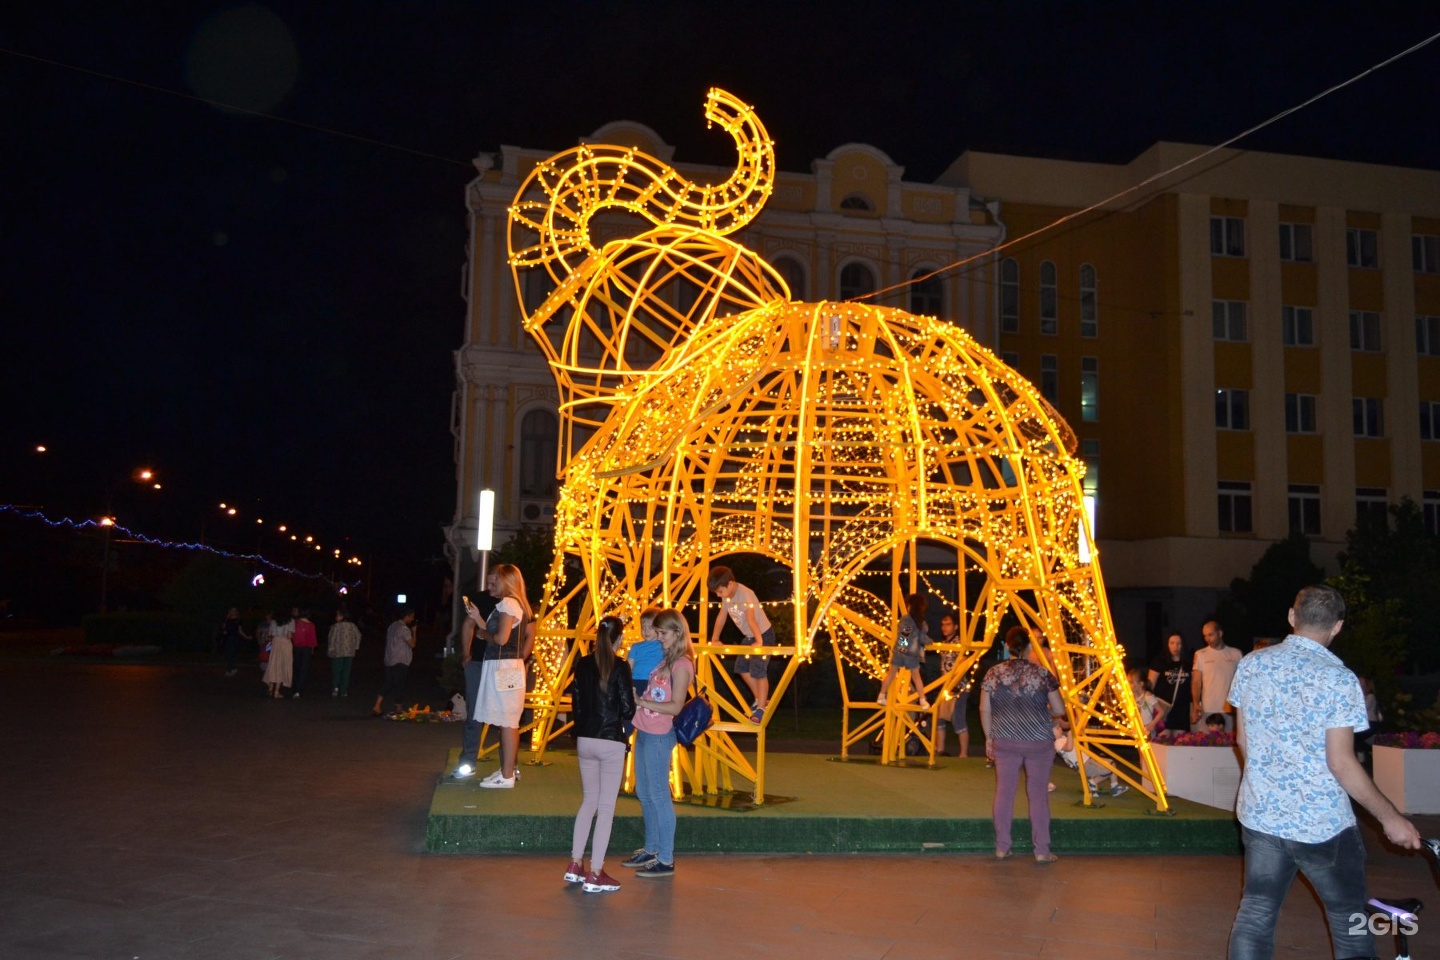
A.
pixel 531 549
pixel 1400 563
pixel 1257 605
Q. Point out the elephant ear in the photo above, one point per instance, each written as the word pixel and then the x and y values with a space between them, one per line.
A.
pixel 718 364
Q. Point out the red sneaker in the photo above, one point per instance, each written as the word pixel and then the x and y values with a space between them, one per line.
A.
pixel 574 873
pixel 600 882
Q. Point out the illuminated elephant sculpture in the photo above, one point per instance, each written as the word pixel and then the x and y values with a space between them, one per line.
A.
pixel 704 413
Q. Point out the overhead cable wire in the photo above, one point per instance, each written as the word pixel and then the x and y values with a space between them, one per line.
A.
pixel 939 271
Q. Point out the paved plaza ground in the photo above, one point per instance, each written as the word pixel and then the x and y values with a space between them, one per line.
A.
pixel 156 812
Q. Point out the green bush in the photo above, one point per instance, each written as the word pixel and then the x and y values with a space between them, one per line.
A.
pixel 169 631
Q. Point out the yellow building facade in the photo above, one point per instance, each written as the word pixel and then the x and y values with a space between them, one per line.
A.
pixel 1244 347
pixel 1247 344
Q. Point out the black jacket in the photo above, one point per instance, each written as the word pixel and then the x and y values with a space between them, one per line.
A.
pixel 602 716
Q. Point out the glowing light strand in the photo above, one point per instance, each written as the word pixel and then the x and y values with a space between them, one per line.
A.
pixel 83 525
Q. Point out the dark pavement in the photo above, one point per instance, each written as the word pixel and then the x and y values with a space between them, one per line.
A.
pixel 158 812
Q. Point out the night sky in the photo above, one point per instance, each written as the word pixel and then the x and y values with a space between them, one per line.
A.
pixel 264 307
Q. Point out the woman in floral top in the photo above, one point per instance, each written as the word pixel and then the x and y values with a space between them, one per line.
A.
pixel 1018 702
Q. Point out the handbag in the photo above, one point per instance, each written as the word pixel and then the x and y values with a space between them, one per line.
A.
pixel 694 718
pixel 509 675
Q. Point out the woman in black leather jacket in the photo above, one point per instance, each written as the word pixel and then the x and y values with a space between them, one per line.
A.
pixel 603 703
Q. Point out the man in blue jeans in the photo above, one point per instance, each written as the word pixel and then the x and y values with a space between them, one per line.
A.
pixel 1297 711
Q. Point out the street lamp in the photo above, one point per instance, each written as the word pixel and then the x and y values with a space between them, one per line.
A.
pixel 485 531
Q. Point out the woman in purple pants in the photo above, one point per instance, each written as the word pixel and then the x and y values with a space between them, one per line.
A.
pixel 1018 703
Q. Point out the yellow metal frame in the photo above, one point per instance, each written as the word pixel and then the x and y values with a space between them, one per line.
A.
pixel 704 413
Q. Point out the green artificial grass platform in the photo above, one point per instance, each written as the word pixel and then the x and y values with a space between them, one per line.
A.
pixel 829 806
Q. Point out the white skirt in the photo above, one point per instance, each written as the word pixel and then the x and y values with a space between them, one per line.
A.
pixel 502 693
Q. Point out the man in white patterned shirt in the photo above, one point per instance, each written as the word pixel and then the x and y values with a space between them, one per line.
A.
pixel 1298 709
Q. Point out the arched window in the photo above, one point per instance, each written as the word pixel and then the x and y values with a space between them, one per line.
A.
pixel 1009 295
pixel 927 297
pixel 1049 316
pixel 1089 312
pixel 856 279
pixel 539 437
pixel 537 285
pixel 857 201
pixel 794 275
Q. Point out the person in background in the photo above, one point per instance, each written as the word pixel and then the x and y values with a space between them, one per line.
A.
pixel 1019 701
pixel 603 694
pixel 1152 709
pixel 1214 668
pixel 646 655
pixel 910 640
pixel 279 669
pixel 341 643
pixel 1297 710
pixel 954 709
pixel 1170 681
pixel 231 633
pixel 739 603
pixel 508 633
pixel 655 745
pixel 305 641
pixel 399 649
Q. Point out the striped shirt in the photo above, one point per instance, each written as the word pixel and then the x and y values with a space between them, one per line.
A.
pixel 1020 700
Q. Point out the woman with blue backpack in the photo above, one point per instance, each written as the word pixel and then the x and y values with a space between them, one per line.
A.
pixel 655 743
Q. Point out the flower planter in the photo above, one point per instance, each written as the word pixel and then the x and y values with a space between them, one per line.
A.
pixel 1409 778
pixel 1208 775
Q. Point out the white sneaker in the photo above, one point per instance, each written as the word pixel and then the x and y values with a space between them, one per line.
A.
pixel 498 783
pixel 464 772
pixel 880 699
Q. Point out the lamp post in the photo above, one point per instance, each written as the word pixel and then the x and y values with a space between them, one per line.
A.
pixel 145 476
pixel 106 524
pixel 485 532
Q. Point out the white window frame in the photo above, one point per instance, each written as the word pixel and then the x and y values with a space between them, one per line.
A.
pixel 1009 295
pixel 1427 335
pixel 1372 501
pixel 1230 320
pixel 1366 331
pixel 1227 236
pixel 1230 495
pixel 927 297
pixel 1089 389
pixel 1297 243
pixel 847 292
pixel 1367 416
pixel 1050 378
pixel 1049 299
pixel 1232 408
pixel 1295 320
pixel 1300 412
pixel 1362 248
pixel 1089 301
pixel 1430 419
pixel 1302 502
pixel 1090 454
pixel 794 274
pixel 1425 253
